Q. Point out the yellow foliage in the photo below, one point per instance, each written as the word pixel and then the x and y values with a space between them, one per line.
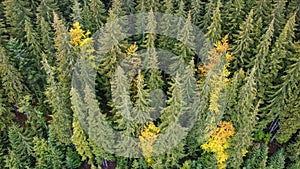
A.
pixel 132 49
pixel 219 82
pixel 218 142
pixel 78 36
pixel 222 46
pixel 147 139
pixel 244 152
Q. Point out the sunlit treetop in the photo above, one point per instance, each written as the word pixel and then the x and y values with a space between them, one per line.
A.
pixel 78 36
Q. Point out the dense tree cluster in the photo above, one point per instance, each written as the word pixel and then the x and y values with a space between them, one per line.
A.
pixel 235 71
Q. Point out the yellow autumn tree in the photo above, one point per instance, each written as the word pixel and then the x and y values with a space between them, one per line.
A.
pixel 147 139
pixel 218 142
pixel 78 37
pixel 217 78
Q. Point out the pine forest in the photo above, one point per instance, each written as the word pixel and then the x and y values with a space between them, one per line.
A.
pixel 150 84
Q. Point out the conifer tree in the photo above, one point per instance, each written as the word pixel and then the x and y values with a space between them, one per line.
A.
pixel 152 4
pixel 262 10
pixel 59 87
pixel 141 108
pixel 292 152
pixel 42 154
pixel 244 119
pixel 257 158
pixel 98 11
pixel 34 48
pixel 3 149
pixel 197 8
pixel 243 48
pixel 278 14
pixel 186 46
pixel 10 78
pixel 233 17
pixel 168 6
pixel 276 160
pixel 129 6
pixel 73 159
pixel 287 94
pixel 5 115
pixel 45 10
pixel 214 31
pixel 76 11
pixel 153 79
pixel 171 124
pixel 260 62
pixel 257 32
pixel 80 141
pixel 207 17
pixel 181 13
pixel 46 33
pixel 15 12
pixel 21 148
pixel 166 42
pixel 110 43
pixel 280 51
pixel 117 8
pixel 3 31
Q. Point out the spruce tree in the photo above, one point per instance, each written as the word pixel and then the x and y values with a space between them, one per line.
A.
pixel 46 37
pixel 244 119
pixel 166 42
pixel 278 14
pixel 98 11
pixel 214 31
pixel 276 160
pixel 171 127
pixel 276 62
pixel 3 32
pixel 243 48
pixel 197 10
pixel 262 10
pixel 76 11
pixel 15 12
pixel 141 109
pixel 35 76
pixel 11 79
pixel 45 10
pixel 260 62
pixel 186 45
pixel 80 141
pixel 21 148
pixel 207 17
pixel 153 79
pixel 57 92
pixel 257 158
pixel 233 16
pixel 42 154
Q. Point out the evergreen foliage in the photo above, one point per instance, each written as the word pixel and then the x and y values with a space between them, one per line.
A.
pixel 206 103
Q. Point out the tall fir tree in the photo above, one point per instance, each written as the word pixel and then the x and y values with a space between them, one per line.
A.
pixel 57 92
pixel 186 46
pixel 21 148
pixel 234 13
pixel 214 31
pixel 243 48
pixel 262 10
pixel 257 158
pixel 276 160
pixel 278 14
pixel 243 117
pixel 197 8
pixel 11 79
pixel 15 12
pixel 207 17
